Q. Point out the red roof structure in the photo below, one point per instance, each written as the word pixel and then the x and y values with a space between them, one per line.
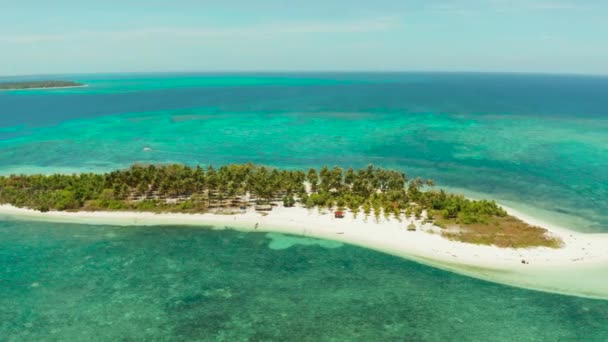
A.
pixel 339 214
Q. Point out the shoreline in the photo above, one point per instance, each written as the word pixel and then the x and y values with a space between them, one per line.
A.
pixel 546 269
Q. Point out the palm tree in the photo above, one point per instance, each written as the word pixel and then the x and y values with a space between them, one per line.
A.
pixel 313 178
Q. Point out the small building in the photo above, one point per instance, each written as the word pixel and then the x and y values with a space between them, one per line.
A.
pixel 339 214
pixel 263 207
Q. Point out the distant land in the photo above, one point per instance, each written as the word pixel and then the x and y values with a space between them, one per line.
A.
pixel 38 85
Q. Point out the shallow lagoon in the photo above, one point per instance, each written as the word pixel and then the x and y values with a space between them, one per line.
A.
pixel 73 282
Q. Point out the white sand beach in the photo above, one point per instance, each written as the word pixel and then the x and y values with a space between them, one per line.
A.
pixel 579 268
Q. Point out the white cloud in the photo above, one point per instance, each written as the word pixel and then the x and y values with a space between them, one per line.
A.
pixel 481 6
pixel 354 26
pixel 535 5
pixel 31 38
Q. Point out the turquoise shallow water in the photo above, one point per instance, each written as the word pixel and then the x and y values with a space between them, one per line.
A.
pixel 71 283
pixel 537 141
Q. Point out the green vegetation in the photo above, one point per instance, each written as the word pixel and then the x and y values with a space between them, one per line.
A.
pixel 38 84
pixel 180 188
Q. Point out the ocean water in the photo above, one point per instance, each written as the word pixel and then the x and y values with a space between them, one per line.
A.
pixel 61 282
pixel 537 142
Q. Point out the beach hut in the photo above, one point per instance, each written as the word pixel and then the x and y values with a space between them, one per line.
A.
pixel 263 207
pixel 339 214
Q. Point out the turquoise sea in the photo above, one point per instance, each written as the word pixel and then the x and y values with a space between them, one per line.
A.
pixel 535 142
pixel 101 283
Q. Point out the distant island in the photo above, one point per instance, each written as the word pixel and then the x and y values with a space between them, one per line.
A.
pixel 38 85
pixel 237 188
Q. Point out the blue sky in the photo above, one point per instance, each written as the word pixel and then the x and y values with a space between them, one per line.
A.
pixel 69 36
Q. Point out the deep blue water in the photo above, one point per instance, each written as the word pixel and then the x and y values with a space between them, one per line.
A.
pixel 464 94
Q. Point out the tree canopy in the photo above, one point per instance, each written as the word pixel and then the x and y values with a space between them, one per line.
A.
pixel 181 188
pixel 38 84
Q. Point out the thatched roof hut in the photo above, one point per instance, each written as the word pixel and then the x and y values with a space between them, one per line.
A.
pixel 263 207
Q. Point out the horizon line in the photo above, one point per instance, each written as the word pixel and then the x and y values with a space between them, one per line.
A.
pixel 295 71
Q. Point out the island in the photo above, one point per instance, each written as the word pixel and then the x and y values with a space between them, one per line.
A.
pixel 39 85
pixel 371 192
pixel 370 207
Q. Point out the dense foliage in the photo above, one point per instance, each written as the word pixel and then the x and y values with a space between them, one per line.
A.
pixel 182 188
pixel 38 84
pixel 200 189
